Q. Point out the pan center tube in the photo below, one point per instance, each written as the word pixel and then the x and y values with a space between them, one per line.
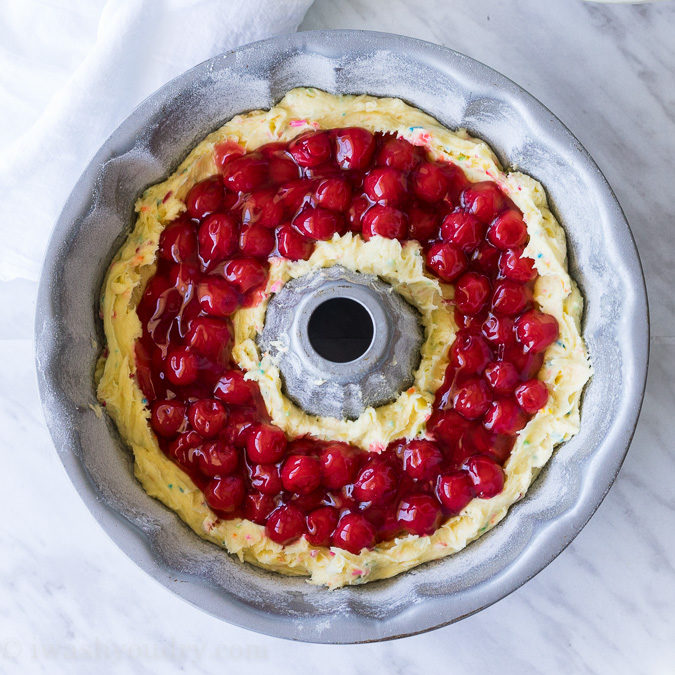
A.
pixel 343 341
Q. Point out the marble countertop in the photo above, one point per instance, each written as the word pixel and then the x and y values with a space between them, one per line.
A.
pixel 72 602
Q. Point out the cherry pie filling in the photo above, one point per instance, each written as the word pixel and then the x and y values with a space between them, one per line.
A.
pixel 214 259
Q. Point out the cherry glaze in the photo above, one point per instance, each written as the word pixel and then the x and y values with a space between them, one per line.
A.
pixel 213 259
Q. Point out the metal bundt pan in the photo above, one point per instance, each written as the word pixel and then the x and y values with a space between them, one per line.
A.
pixel 459 92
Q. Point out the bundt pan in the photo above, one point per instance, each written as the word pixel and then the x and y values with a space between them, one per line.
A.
pixel 459 92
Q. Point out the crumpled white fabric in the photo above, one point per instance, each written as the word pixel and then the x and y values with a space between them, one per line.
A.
pixel 72 70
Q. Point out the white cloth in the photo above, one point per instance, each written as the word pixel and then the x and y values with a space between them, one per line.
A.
pixel 72 70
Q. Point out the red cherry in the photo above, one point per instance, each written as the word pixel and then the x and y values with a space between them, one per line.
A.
pixel 463 230
pixel 245 274
pixel 217 237
pixel 356 211
pixel 233 389
pixel 301 474
pixel 181 447
pixel 504 416
pixel 354 147
pixel 422 459
pixel 320 525
pixel 498 329
pixel 184 277
pixel 311 148
pixel 376 483
pixel 210 337
pixel 246 173
pixel 318 173
pixel 499 448
pixel 422 223
pixel 263 207
pixel 454 490
pixel 486 475
pixel 270 149
pixel 285 524
pixel 510 298
pixel 468 322
pixel 354 533
pixel 159 307
pixel 167 417
pixel 282 169
pixel 150 367
pixel 257 507
pixel 304 445
pixel 266 478
pixel 386 186
pixel 178 242
pixel 205 197
pixel 182 366
pixel 338 464
pixel 216 297
pixel 536 331
pixel 472 398
pixel 189 310
pixel 513 265
pixel 225 493
pixel 207 417
pixel 502 376
pixel 226 150
pixel 265 444
pixel 154 298
pixel 293 195
pixel 508 230
pixel 318 223
pixel 532 396
pixel 457 181
pixel 446 260
pixel 256 241
pixel 485 259
pixel 476 440
pixel 399 154
pixel 334 194
pixel 167 302
pixel 419 514
pixel 429 182
pixel 216 458
pixel 385 221
pixel 484 200
pixel 292 244
pixel 309 501
pixel 472 291
pixel 448 426
pixel 528 363
pixel 470 352
pixel 239 424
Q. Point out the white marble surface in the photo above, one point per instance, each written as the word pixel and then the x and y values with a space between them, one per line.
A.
pixel 71 602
